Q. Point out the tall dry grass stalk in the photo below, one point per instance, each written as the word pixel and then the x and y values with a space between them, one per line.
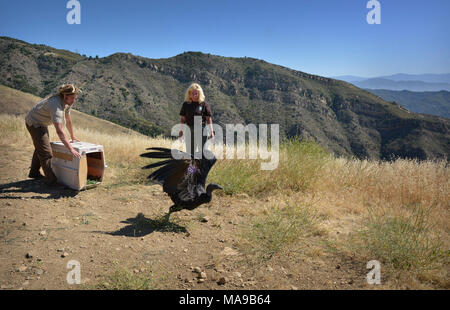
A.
pixel 402 182
pixel 13 131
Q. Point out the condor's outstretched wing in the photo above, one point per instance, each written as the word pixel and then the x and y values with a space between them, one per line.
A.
pixel 183 179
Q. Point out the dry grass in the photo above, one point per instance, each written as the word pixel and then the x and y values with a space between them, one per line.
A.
pixel 15 102
pixel 396 212
pixel 401 185
pixel 121 149
pixel 401 182
pixel 376 205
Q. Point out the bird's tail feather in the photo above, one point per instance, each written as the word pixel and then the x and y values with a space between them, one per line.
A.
pixel 161 152
pixel 162 149
pixel 160 163
pixel 156 155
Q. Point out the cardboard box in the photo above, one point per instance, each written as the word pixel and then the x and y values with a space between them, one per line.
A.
pixel 75 172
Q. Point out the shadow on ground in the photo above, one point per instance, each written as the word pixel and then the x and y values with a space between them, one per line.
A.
pixel 141 226
pixel 35 186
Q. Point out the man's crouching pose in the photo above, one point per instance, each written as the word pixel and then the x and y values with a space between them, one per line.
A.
pixel 52 110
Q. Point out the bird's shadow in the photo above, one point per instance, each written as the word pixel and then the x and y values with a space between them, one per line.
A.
pixel 140 226
pixel 35 186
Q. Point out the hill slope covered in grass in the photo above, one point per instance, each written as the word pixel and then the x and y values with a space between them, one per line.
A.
pixel 16 102
pixel 146 94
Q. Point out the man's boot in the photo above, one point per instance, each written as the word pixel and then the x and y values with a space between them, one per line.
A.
pixel 35 175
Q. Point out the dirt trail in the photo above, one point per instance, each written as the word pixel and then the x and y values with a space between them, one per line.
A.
pixel 101 228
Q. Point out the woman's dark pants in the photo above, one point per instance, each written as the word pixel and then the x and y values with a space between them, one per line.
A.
pixel 191 146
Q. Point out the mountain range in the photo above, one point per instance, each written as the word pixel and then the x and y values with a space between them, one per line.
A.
pixel 146 94
pixel 429 102
pixel 411 82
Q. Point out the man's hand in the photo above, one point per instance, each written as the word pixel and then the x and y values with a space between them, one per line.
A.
pixel 75 153
pixel 75 139
pixel 64 140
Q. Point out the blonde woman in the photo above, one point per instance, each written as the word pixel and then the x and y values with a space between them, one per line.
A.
pixel 52 110
pixel 195 105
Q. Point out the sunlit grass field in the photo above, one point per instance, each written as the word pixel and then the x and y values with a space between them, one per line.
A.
pixel 396 212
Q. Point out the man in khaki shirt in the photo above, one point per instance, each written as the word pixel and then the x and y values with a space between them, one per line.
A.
pixel 52 110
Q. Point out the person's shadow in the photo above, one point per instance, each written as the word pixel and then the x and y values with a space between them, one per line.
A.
pixel 140 226
pixel 35 186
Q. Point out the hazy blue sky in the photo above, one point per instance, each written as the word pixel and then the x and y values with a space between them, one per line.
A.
pixel 328 37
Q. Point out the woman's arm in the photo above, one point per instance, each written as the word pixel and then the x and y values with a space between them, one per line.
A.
pixel 209 122
pixel 208 118
pixel 182 121
pixel 70 128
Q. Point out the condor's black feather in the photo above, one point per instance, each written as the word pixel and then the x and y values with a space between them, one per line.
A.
pixel 182 179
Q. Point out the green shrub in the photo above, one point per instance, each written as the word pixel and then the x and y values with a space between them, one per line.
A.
pixel 122 279
pixel 300 163
pixel 279 228
pixel 404 241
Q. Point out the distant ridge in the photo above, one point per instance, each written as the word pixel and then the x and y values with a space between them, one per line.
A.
pixel 146 94
pixel 437 103
pixel 411 82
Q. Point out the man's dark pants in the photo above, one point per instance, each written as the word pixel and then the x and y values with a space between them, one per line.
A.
pixel 42 153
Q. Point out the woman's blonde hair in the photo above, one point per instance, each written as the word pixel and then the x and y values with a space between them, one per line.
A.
pixel 187 96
